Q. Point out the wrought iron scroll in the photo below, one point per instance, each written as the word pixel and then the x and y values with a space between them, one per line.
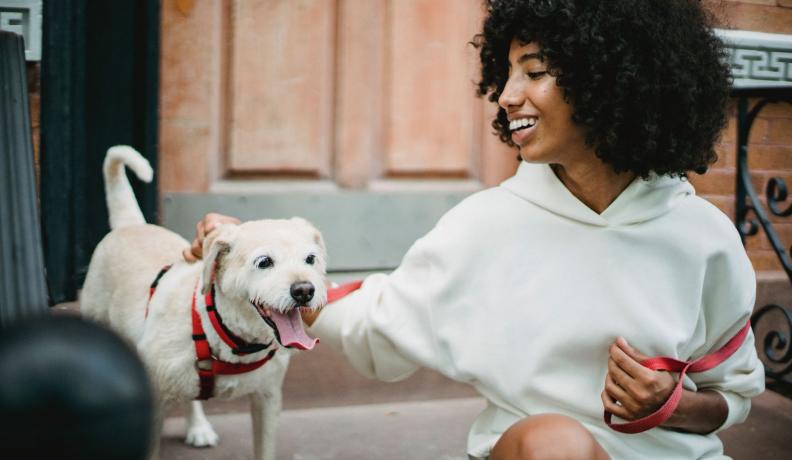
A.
pixel 751 215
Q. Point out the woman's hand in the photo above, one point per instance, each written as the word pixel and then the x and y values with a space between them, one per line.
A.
pixel 203 228
pixel 631 390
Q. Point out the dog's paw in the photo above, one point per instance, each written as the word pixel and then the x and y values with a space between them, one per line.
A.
pixel 201 435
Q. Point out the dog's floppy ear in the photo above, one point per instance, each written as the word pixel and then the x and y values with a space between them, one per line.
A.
pixel 216 244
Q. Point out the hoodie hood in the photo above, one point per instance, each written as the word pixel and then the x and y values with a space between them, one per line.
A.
pixel 642 200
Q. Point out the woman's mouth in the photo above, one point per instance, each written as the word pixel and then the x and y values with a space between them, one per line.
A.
pixel 521 129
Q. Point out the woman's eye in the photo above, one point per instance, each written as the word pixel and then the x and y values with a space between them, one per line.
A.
pixel 310 259
pixel 536 75
pixel 263 262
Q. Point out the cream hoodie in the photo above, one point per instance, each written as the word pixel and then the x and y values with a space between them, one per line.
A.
pixel 520 290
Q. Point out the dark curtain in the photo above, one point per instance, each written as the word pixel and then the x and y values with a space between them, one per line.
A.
pixel 99 86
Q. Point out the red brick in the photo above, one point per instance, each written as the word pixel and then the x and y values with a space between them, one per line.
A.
pixel 779 131
pixel 778 110
pixel 784 232
pixel 764 260
pixel 770 157
pixel 759 131
pixel 750 16
pixel 729 133
pixel 757 135
pixel 714 182
pixel 727 156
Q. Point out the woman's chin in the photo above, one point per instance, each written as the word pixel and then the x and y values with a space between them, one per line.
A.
pixel 530 156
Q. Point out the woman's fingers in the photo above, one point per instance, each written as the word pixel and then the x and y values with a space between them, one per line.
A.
pixel 629 365
pixel 640 390
pixel 622 378
pixel 204 227
pixel 613 404
pixel 627 407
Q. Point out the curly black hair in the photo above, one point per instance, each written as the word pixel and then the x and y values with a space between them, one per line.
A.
pixel 646 79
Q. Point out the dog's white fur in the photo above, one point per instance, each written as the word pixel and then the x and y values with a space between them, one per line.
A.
pixel 125 263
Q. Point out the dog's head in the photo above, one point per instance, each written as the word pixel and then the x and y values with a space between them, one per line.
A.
pixel 265 271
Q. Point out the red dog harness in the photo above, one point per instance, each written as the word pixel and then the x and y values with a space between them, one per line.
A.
pixel 660 363
pixel 154 285
pixel 206 364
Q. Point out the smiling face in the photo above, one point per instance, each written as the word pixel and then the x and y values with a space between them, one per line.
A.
pixel 540 120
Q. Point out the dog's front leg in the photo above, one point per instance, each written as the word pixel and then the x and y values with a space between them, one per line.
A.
pixel 199 431
pixel 264 412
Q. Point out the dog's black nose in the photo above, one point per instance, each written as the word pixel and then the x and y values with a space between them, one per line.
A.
pixel 302 292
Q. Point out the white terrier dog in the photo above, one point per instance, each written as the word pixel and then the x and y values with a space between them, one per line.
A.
pixel 221 328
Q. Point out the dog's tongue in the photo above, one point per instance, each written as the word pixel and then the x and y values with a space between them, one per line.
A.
pixel 290 329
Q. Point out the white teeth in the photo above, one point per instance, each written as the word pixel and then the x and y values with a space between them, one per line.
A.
pixel 520 123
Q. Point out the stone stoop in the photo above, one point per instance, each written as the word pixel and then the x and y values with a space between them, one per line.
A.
pixel 426 430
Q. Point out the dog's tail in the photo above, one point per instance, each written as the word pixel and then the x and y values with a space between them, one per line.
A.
pixel 121 203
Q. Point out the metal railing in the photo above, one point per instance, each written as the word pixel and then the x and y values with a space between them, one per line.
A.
pixel 762 75
pixel 772 323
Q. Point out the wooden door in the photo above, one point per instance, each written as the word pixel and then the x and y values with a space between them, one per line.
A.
pixel 360 115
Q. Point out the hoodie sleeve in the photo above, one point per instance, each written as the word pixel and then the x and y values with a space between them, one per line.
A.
pixel 385 329
pixel 728 299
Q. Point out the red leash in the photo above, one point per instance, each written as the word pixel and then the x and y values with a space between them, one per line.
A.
pixel 337 293
pixel 663 363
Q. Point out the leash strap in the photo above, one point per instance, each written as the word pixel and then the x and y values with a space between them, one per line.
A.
pixel 154 285
pixel 207 365
pixel 337 293
pixel 664 363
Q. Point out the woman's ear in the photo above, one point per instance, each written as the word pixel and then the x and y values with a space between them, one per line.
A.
pixel 216 245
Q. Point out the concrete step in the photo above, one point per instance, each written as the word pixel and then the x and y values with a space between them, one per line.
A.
pixel 427 430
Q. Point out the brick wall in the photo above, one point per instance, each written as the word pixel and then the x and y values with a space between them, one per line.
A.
pixel 770 144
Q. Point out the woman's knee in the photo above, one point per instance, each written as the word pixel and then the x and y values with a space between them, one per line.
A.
pixel 547 436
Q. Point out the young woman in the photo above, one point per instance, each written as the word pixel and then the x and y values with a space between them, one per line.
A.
pixel 546 292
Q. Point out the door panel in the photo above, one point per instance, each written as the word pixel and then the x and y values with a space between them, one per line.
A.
pixel 431 108
pixel 282 83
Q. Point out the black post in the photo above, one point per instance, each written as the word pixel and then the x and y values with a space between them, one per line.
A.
pixel 23 290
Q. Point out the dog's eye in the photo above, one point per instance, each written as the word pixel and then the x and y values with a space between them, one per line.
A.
pixel 310 259
pixel 263 262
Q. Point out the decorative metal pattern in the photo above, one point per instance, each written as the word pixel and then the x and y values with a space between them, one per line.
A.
pixel 751 214
pixel 757 59
pixel 776 346
pixel 761 66
pixel 768 64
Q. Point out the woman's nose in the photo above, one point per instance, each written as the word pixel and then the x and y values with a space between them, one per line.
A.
pixel 511 96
